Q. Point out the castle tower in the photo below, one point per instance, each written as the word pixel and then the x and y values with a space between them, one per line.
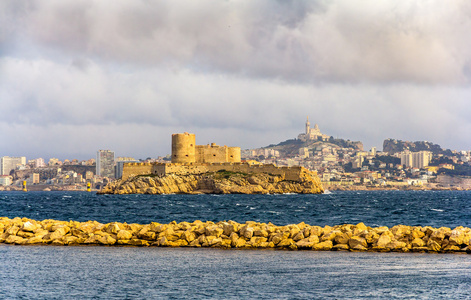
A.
pixel 183 148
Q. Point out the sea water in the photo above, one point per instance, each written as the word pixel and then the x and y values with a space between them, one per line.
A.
pixel 94 272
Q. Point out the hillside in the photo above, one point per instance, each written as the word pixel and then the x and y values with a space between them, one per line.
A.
pixel 291 147
pixel 394 146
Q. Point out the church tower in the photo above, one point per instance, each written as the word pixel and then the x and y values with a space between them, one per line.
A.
pixel 308 125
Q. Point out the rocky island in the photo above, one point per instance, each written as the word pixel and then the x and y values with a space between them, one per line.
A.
pixel 211 169
pixel 220 182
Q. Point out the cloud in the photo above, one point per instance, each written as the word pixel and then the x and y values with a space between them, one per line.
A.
pixel 76 76
pixel 316 41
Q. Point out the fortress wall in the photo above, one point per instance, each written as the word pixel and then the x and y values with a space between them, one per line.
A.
pixel 288 173
pixel 134 169
pixel 159 169
pixel 211 154
pixel 199 154
pixel 185 169
pixel 233 154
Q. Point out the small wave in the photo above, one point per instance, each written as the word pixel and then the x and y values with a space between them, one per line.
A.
pixel 65 196
pixel 436 209
pixel 327 192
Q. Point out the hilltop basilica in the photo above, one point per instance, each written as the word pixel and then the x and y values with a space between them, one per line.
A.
pixel 312 134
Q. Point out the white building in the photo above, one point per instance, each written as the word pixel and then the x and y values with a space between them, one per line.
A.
pixel 5 180
pixel 7 164
pixel 418 160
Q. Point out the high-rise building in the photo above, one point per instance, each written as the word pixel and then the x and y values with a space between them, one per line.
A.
pixel 417 160
pixel 105 163
pixel 7 164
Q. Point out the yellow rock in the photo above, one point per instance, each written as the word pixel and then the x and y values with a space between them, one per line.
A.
pixel 137 242
pixel 124 235
pixel 35 240
pixel 460 236
pixel 343 238
pixel 343 247
pixel 331 235
pixel 226 243
pixel 417 233
pixel 94 239
pixel 214 231
pixel 307 243
pixel 229 228
pixel 439 234
pixel 24 234
pixel 324 246
pixel 257 240
pixel 195 243
pixel 177 243
pixel 286 243
pixel 13 239
pixel 261 233
pixel 432 245
pixel 106 240
pixel 58 242
pixel 13 230
pixel 278 237
pixel 372 237
pixel 417 242
pixel 112 228
pixel 400 231
pixel 396 245
pixel 358 248
pixel 29 226
pixel 248 233
pixel 70 239
pixel 355 241
pixel 452 248
pixel 189 236
pixel 384 239
pixel 59 232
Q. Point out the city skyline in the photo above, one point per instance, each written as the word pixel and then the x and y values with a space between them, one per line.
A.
pixel 78 77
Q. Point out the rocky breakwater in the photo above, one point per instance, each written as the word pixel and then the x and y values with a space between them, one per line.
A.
pixel 221 182
pixel 230 234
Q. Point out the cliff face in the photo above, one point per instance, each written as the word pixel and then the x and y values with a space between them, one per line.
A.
pixel 394 146
pixel 216 183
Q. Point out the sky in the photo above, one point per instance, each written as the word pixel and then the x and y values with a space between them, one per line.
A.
pixel 79 76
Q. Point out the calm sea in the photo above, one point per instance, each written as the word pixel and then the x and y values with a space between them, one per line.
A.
pixel 48 272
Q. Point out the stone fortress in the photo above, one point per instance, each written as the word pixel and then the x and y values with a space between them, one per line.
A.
pixel 185 151
pixel 191 159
